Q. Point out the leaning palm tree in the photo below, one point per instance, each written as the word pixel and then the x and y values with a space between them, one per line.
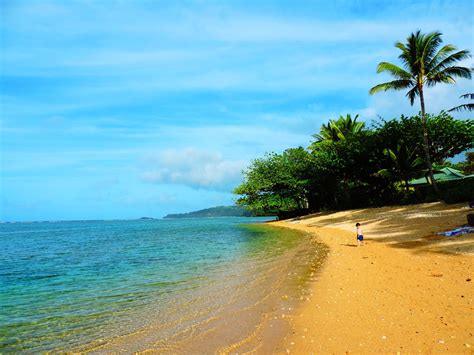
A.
pixel 336 130
pixel 423 65
pixel 468 107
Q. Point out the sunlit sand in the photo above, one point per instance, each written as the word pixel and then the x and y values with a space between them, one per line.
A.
pixel 407 290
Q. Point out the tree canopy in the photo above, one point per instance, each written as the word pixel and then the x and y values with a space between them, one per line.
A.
pixel 368 167
pixel 339 129
pixel 424 65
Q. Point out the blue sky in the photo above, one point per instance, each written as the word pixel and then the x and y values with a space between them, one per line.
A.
pixel 123 109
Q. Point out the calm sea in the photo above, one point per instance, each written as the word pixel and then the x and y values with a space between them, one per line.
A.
pixel 182 285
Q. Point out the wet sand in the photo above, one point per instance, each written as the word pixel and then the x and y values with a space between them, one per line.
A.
pixel 407 290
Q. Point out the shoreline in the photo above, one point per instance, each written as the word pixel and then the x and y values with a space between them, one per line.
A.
pixel 407 290
pixel 255 317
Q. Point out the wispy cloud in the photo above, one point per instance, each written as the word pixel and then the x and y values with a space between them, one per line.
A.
pixel 89 87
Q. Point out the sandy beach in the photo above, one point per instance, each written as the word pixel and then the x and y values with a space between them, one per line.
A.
pixel 407 290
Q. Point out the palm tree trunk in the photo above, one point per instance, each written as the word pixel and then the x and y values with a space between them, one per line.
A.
pixel 426 146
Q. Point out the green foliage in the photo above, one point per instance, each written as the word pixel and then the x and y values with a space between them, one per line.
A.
pixel 451 191
pixel 278 182
pixel 369 167
pixel 467 167
pixel 349 166
pixel 423 64
pixel 404 163
pixel 336 130
pixel 464 107
pixel 448 136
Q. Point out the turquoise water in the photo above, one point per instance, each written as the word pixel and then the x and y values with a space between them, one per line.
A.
pixel 85 285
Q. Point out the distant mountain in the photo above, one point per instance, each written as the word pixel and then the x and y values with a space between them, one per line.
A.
pixel 221 211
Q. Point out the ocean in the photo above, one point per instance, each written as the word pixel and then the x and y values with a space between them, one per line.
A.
pixel 172 285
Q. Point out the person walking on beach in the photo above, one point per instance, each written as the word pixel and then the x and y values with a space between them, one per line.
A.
pixel 360 235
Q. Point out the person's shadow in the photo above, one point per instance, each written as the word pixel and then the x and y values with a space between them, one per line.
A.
pixel 349 245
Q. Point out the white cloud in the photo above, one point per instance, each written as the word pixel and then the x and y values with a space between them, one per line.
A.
pixel 193 167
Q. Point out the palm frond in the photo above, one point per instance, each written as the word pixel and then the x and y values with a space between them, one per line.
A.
pixel 429 43
pixel 392 85
pixel 358 126
pixel 389 153
pixel 464 107
pixel 386 173
pixel 467 96
pixel 401 46
pixel 442 54
pixel 337 130
pixel 412 94
pixel 455 57
pixel 409 52
pixel 461 72
pixel 440 78
pixel 447 75
pixel 318 137
pixel 393 69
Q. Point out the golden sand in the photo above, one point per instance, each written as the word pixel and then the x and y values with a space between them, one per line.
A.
pixel 407 290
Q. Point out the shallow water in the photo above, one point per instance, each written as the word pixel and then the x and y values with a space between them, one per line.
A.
pixel 169 285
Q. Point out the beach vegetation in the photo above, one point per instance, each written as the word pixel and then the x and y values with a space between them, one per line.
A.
pixel 466 107
pixel 339 129
pixel 277 183
pixel 423 65
pixel 370 166
pixel 448 137
pixel 466 167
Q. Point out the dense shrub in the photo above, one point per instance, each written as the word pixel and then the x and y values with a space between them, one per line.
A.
pixel 450 191
pixel 353 166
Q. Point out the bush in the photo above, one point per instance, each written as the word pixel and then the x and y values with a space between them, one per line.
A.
pixel 457 191
pixel 450 191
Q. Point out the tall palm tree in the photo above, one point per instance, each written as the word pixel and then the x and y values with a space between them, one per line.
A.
pixel 336 130
pixel 423 65
pixel 468 107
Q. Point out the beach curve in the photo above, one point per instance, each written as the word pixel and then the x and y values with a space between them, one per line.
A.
pixel 407 290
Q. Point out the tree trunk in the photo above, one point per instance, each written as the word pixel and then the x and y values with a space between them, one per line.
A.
pixel 426 146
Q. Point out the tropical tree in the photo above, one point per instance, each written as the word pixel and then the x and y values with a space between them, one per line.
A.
pixel 336 130
pixel 467 166
pixel 405 163
pixel 344 167
pixel 401 140
pixel 450 136
pixel 468 107
pixel 423 65
pixel 277 183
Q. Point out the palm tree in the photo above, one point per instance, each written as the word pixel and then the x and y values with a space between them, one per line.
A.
pixel 468 107
pixel 405 163
pixel 336 130
pixel 423 65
